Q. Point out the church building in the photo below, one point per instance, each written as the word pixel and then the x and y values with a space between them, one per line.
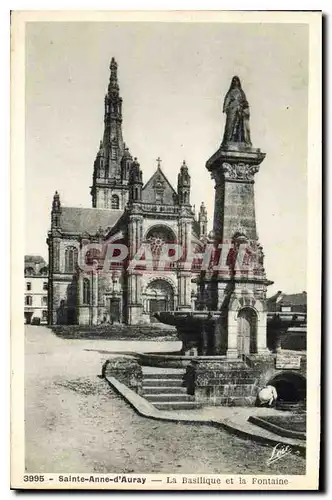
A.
pixel 132 213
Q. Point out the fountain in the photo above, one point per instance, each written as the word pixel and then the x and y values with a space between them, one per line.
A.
pixel 224 340
pixel 227 333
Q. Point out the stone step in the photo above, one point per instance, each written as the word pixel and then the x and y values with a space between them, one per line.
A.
pixel 164 390
pixel 177 405
pixel 162 382
pixel 171 398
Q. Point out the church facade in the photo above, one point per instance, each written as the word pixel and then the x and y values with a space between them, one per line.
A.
pixel 126 211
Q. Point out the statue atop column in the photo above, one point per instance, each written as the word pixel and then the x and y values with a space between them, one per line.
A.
pixel 236 107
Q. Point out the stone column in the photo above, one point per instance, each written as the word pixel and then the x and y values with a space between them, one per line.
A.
pixel 205 339
pixel 56 255
pixel 55 302
pixel 135 304
pixel 232 336
pixel 261 334
pixel 94 297
pixel 218 337
pixel 184 290
pixel 80 298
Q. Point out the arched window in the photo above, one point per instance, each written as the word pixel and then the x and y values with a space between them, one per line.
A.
pixel 70 259
pixel 86 291
pixel 115 203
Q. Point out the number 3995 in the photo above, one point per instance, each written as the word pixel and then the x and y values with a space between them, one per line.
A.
pixel 31 478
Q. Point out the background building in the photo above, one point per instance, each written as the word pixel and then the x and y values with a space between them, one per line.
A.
pixel 288 303
pixel 127 211
pixel 36 286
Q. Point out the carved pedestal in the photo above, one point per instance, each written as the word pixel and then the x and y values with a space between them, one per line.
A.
pixel 239 285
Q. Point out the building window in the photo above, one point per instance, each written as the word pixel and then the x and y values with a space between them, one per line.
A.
pixel 29 271
pixel 70 259
pixel 45 287
pixel 44 301
pixel 29 285
pixel 44 315
pixel 115 203
pixel 86 291
pixel 159 197
pixel 28 300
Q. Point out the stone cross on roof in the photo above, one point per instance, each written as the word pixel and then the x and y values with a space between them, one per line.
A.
pixel 158 160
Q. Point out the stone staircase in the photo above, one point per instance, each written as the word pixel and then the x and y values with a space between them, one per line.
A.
pixel 164 389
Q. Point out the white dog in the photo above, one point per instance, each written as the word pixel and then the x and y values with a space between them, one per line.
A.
pixel 267 395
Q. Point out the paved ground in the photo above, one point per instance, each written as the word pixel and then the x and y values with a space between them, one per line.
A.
pixel 75 423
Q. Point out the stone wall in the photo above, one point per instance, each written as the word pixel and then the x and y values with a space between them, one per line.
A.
pixel 235 382
pixel 226 383
pixel 126 370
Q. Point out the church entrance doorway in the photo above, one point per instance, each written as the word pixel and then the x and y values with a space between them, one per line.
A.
pixel 159 297
pixel 247 331
pixel 115 310
pixel 158 305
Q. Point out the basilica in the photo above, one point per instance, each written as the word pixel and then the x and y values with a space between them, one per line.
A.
pixel 134 213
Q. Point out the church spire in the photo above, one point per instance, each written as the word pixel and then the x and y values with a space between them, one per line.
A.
pixel 202 220
pixel 113 85
pixel 184 185
pixel 108 178
pixel 113 114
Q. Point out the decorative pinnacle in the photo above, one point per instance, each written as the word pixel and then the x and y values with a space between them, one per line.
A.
pixel 56 205
pixel 113 65
pixel 114 74
pixel 184 167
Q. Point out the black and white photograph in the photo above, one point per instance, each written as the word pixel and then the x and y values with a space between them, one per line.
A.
pixel 166 171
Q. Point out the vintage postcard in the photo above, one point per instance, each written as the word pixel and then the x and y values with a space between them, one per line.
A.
pixel 166 239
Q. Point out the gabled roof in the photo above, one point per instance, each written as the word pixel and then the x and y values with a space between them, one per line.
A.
pixel 89 220
pixel 294 299
pixel 159 182
pixel 34 259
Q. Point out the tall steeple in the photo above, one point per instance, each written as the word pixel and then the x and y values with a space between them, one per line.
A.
pixel 113 114
pixel 56 211
pixel 184 185
pixel 202 220
pixel 109 189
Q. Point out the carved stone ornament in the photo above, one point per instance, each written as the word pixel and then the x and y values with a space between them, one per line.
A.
pixel 239 171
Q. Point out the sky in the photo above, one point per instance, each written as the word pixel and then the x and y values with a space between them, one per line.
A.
pixel 173 78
